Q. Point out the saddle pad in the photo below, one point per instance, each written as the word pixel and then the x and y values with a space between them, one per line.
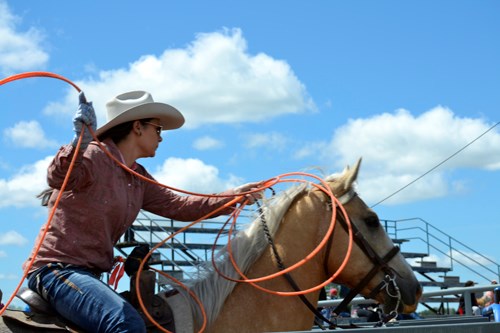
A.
pixel 181 309
pixel 36 321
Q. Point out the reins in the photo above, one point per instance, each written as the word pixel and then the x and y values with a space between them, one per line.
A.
pixel 281 266
pixel 379 264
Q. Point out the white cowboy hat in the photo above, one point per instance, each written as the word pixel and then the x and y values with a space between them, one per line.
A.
pixel 135 105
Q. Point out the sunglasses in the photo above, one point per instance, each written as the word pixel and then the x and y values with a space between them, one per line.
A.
pixel 158 128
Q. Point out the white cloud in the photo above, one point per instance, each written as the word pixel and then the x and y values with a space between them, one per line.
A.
pixel 193 175
pixel 12 238
pixel 207 143
pixel 213 80
pixel 470 259
pixel 29 134
pixel 309 149
pixel 19 50
pixel 22 188
pixel 272 140
pixel 9 277
pixel 463 258
pixel 399 147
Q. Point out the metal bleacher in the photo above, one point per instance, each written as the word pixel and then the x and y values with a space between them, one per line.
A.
pixel 183 254
pixel 432 254
pixel 436 257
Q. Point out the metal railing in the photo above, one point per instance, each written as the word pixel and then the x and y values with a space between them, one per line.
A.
pixel 465 291
pixel 424 235
pixel 154 229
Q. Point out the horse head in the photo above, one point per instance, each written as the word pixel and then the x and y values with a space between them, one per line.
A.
pixel 376 269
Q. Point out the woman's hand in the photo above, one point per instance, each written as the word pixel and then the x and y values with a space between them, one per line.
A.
pixel 253 188
pixel 84 115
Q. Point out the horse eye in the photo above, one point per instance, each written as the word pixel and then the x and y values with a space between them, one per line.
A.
pixel 372 221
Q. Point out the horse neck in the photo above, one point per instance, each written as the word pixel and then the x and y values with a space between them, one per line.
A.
pixel 250 309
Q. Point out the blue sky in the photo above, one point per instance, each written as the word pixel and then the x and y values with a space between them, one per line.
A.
pixel 267 88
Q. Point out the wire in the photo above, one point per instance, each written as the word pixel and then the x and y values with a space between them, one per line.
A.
pixel 438 165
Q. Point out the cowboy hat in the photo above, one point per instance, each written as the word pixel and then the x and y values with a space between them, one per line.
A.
pixel 136 105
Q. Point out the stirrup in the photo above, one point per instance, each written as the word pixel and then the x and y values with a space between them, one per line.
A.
pixel 35 301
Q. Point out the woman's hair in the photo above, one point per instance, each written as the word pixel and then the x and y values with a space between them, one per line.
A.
pixel 119 132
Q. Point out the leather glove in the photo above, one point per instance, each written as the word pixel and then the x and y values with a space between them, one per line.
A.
pixel 251 197
pixel 85 115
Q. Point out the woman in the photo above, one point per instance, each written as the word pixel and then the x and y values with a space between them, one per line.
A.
pixel 101 200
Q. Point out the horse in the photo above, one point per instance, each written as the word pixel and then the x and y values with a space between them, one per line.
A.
pixel 296 221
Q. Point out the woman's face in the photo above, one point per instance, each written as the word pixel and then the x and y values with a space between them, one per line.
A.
pixel 150 138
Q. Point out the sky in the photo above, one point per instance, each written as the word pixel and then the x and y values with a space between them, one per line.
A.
pixel 269 87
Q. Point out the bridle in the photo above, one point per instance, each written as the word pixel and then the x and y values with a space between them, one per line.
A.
pixel 379 264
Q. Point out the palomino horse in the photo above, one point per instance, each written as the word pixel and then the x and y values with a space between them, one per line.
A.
pixel 297 222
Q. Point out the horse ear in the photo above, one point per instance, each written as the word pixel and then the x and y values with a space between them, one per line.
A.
pixel 351 174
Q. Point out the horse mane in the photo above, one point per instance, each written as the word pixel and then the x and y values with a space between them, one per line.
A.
pixel 246 247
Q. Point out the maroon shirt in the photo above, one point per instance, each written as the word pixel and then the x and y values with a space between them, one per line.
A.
pixel 100 201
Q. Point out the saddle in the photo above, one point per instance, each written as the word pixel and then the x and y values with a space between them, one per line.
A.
pixel 43 317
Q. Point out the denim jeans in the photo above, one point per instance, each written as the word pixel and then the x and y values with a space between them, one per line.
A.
pixel 80 297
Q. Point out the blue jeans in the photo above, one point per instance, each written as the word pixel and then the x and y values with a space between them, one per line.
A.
pixel 80 297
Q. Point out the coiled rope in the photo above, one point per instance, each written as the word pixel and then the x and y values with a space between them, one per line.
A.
pixel 238 198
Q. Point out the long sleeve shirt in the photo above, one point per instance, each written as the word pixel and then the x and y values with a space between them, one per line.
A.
pixel 100 202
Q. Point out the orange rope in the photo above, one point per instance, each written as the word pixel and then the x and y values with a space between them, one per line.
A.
pixel 51 215
pixel 141 267
pixel 313 253
pixel 265 184
pixel 240 197
pixel 37 74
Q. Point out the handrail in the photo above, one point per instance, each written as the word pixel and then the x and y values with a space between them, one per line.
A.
pixel 153 235
pixel 156 229
pixel 466 291
pixel 455 250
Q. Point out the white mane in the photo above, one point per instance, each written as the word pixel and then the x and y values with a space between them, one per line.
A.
pixel 246 248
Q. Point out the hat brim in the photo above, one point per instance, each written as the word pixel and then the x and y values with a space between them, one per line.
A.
pixel 170 117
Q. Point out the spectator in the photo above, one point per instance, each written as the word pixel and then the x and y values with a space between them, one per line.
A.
pixel 494 308
pixel 488 297
pixel 475 306
pixel 334 294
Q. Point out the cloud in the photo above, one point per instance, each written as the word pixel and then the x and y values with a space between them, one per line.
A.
pixel 310 149
pixel 399 147
pixel 22 188
pixel 12 238
pixel 207 143
pixel 19 51
pixel 193 175
pixel 272 140
pixel 213 80
pixel 470 259
pixel 29 134
pixel 467 259
pixel 9 277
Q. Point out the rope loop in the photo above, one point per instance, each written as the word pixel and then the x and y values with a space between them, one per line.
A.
pixel 235 200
